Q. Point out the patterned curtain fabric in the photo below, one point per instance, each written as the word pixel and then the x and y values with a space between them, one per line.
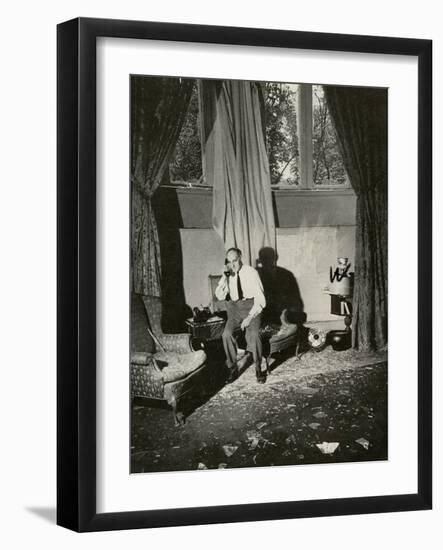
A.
pixel 360 118
pixel 236 165
pixel 158 109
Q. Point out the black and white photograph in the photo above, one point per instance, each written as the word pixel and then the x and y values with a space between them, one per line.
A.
pixel 222 266
pixel 258 274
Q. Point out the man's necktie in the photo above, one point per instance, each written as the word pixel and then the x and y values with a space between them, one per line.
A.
pixel 239 288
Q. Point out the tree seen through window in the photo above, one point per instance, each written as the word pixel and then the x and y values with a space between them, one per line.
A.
pixel 282 133
pixel 328 168
pixel 281 110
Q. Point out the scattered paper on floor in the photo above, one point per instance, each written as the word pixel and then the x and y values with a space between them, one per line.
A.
pixel 363 442
pixel 229 450
pixel 327 448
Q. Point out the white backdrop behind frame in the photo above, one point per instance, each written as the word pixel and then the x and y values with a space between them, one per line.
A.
pixel 117 489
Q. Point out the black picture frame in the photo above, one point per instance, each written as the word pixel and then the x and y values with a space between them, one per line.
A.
pixel 76 266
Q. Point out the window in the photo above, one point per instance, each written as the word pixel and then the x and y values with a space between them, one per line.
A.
pixel 328 169
pixel 317 162
pixel 301 141
pixel 282 133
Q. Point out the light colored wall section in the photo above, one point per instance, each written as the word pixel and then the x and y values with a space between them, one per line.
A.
pixel 306 251
pixel 300 208
pixel 203 255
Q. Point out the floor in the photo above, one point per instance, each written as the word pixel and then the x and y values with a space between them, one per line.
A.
pixel 328 406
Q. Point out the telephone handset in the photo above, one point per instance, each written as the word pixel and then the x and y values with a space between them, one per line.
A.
pixel 227 272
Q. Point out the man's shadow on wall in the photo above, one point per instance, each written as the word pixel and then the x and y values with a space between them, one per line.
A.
pixel 281 290
pixel 282 293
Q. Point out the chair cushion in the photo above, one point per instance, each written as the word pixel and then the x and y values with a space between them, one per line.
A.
pixel 175 366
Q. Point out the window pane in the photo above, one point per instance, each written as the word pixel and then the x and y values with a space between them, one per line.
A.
pixel 186 166
pixel 328 167
pixel 281 133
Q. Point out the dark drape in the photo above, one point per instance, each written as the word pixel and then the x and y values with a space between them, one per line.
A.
pixel 360 118
pixel 158 109
pixel 236 165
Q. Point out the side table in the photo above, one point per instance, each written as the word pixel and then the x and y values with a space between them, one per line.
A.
pixel 207 336
pixel 211 329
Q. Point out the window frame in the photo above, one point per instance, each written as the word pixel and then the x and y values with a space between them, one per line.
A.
pixel 306 150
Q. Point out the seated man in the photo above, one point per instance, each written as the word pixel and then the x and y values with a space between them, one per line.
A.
pixel 241 287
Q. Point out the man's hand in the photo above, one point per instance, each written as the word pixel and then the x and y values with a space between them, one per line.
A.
pixel 222 288
pixel 245 323
pixel 224 284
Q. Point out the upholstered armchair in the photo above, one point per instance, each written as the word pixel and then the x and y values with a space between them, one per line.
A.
pixel 167 368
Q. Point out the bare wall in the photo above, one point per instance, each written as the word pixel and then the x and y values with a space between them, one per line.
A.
pixel 306 251
pixel 314 228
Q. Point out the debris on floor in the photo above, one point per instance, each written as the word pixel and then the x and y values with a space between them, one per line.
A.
pixel 229 450
pixel 326 407
pixel 314 425
pixel 327 448
pixel 363 442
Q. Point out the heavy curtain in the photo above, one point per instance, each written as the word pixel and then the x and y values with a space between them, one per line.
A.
pixel 158 109
pixel 360 118
pixel 236 165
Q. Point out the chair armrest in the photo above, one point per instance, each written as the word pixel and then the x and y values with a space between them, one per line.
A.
pixel 146 378
pixel 145 359
pixel 141 358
